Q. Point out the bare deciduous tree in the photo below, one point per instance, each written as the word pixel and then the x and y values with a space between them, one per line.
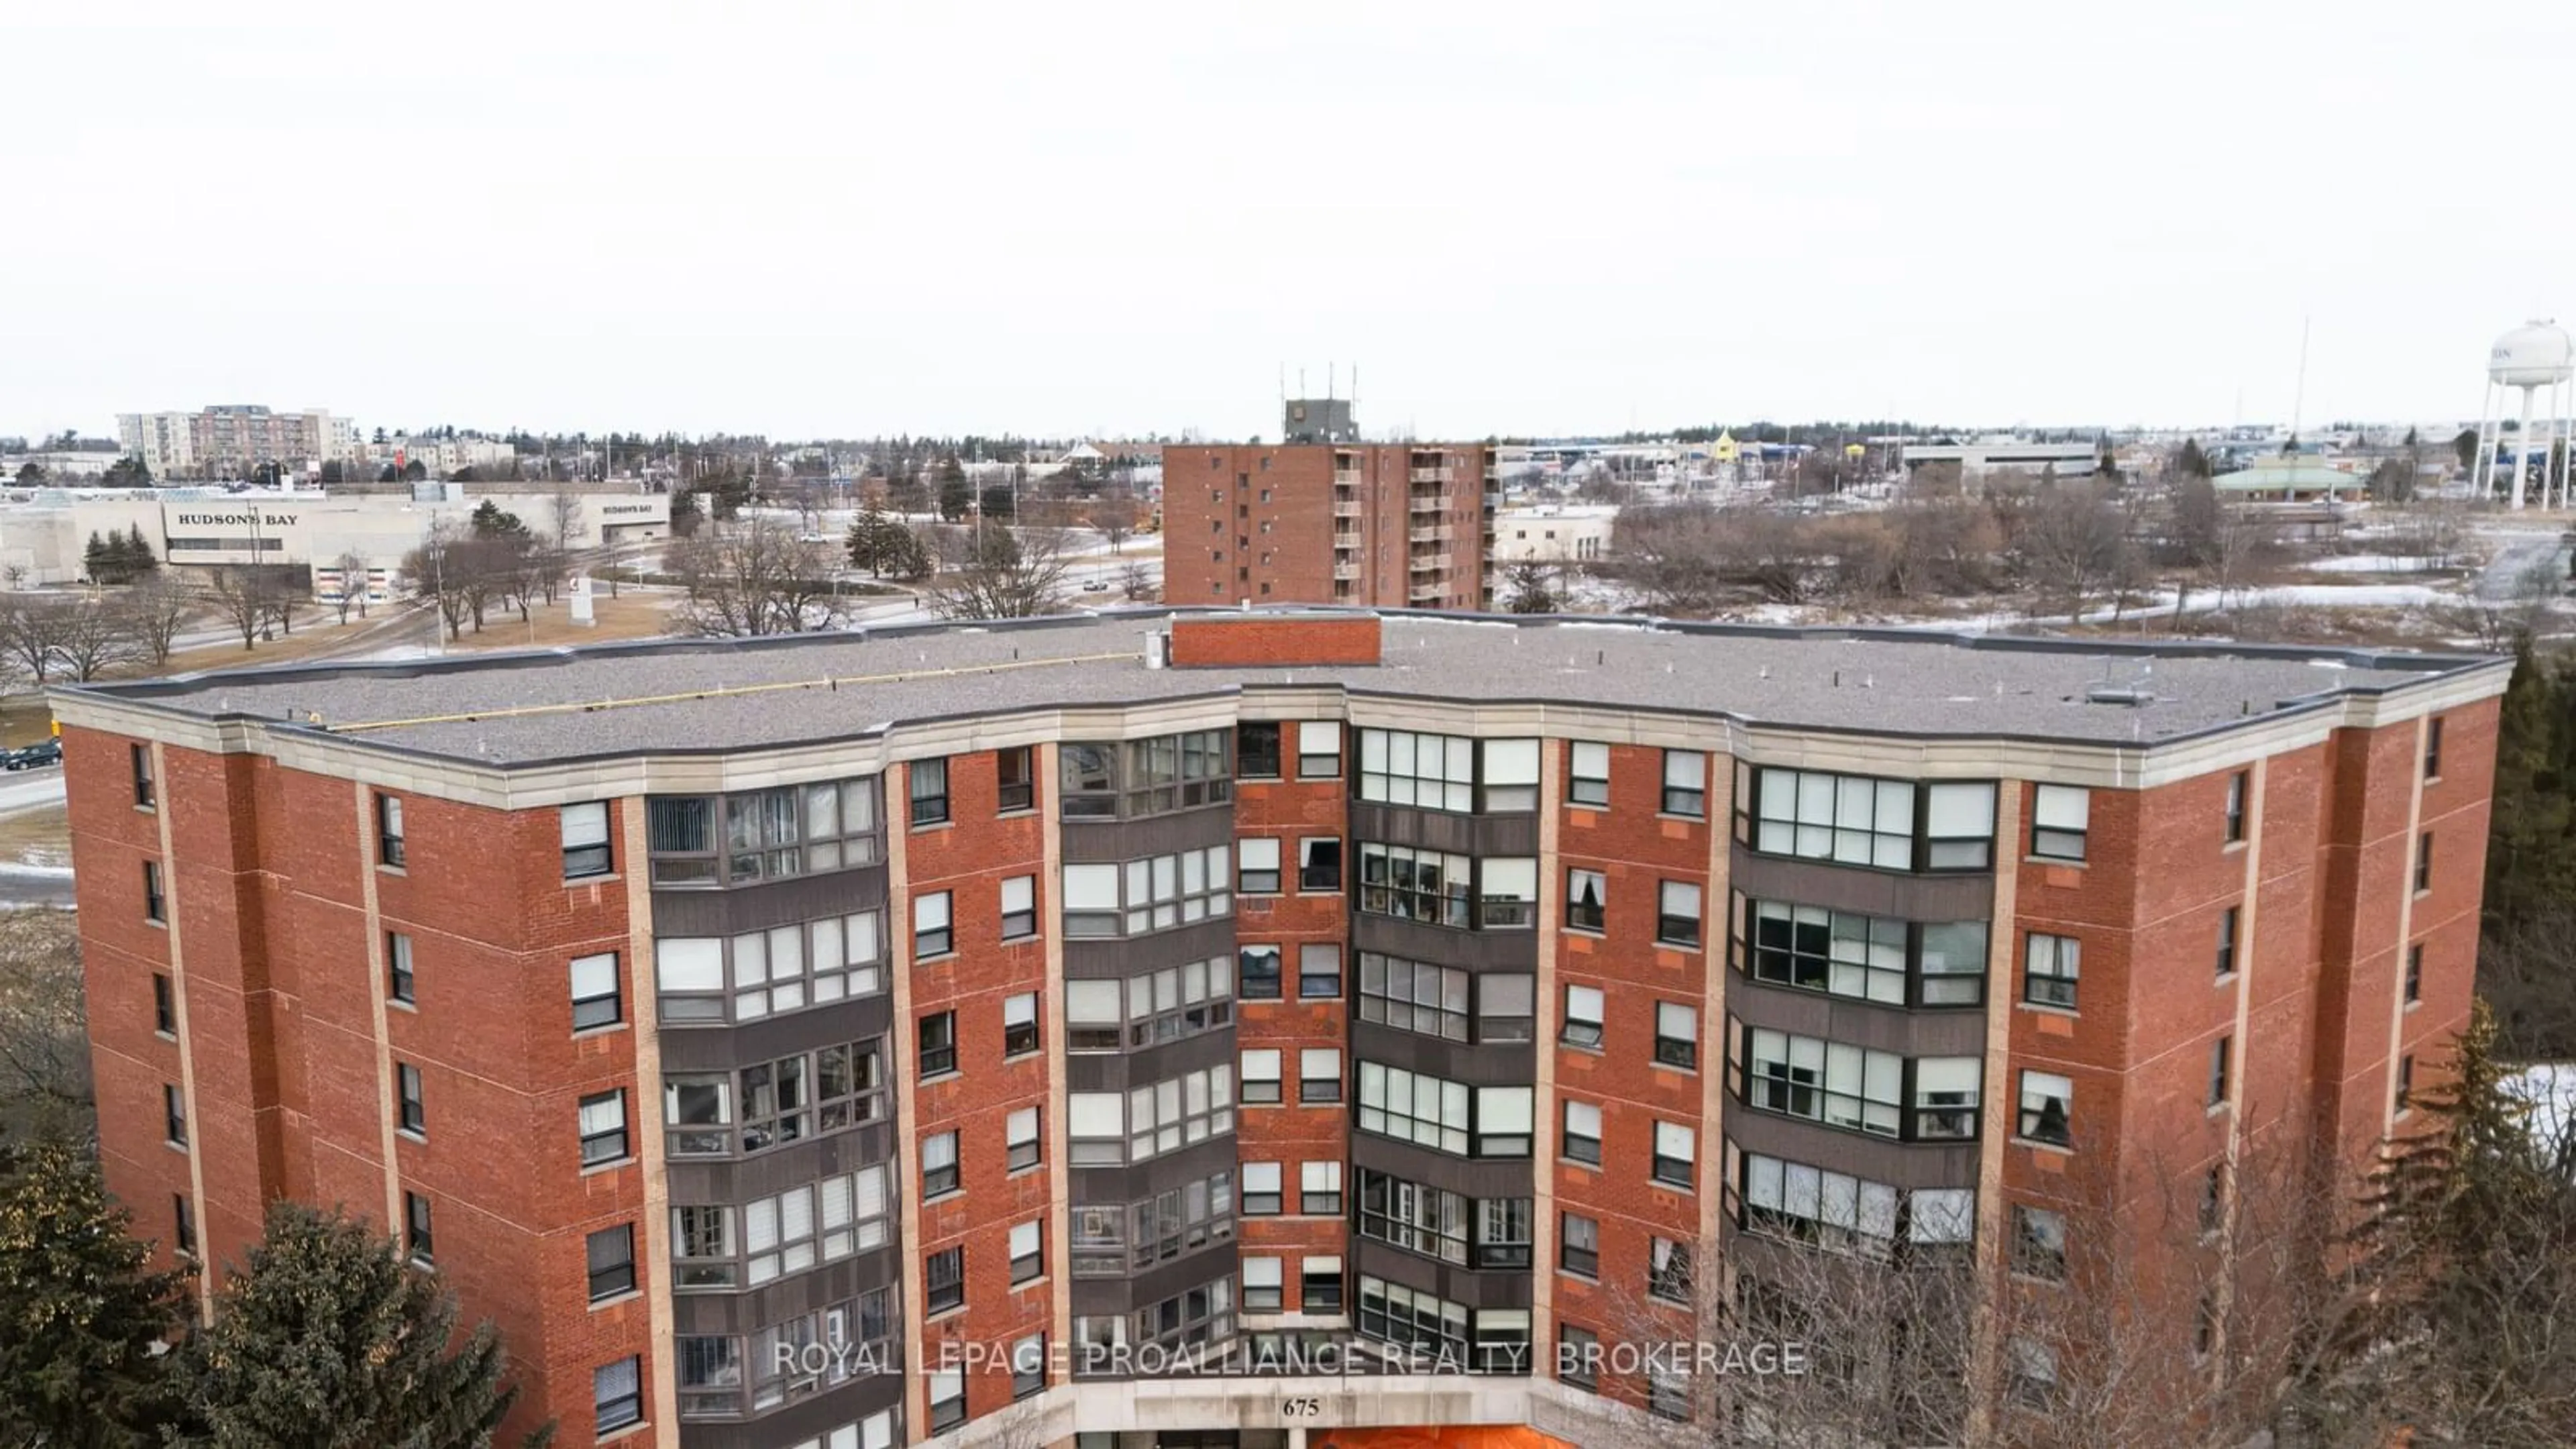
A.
pixel 44 1049
pixel 155 609
pixel 754 576
pixel 353 584
pixel 2072 542
pixel 998 573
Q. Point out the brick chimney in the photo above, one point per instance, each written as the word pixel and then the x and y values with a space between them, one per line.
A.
pixel 1209 641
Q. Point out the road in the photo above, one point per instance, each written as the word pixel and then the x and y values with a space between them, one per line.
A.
pixel 2516 554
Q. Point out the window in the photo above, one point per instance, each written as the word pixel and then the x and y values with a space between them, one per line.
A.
pixel 1841 1086
pixel 1578 1357
pixel 1849 819
pixel 2219 1051
pixel 184 1215
pixel 702 1247
pixel 1261 1075
pixel 603 1128
pixel 2423 863
pixel 1668 1392
pixel 938 1037
pixel 1020 1138
pixel 1686 783
pixel 1257 866
pixel 1256 750
pixel 947 1400
pixel 699 1112
pixel 927 780
pixel 612 1261
pixel 1676 1149
pixel 164 1017
pixel 1028 1366
pixel 2405 1084
pixel 2059 815
pixel 1677 919
pixel 2047 1102
pixel 1016 776
pixel 1019 907
pixel 1583 1132
pixel 1319 1075
pixel 1867 958
pixel 1192 1107
pixel 2432 749
pixel 758 835
pixel 1103 780
pixel 1579 1241
pixel 1259 973
pixel 416 1235
pixel 2039 1243
pixel 1584 906
pixel 1668 1271
pixel 1411 996
pixel 389 830
pixel 2034 1373
pixel 411 1116
pixel 2048 970
pixel 1414 1107
pixel 154 907
pixel 1435 772
pixel 1319 749
pixel 1319 1189
pixel 1945 1098
pixel 1159 892
pixel 1319 1284
pixel 1506 892
pixel 1417 1218
pixel 1588 783
pixel 1510 776
pixel 595 999
pixel 1846 1214
pixel 2213 1197
pixel 1261 1285
pixel 1262 1194
pixel 1319 863
pixel 2414 973
pixel 2236 805
pixel 764 973
pixel 2227 933
pixel 585 839
pixel 1094 1016
pixel 399 982
pixel 1162 1005
pixel 931 935
pixel 1028 1251
pixel 938 1165
pixel 140 756
pixel 1677 1034
pixel 617 1395
pixel 1582 1017
pixel 710 1375
pixel 1506 1006
pixel 1319 971
pixel 1019 1024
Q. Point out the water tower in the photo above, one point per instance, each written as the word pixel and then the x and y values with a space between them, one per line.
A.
pixel 2534 356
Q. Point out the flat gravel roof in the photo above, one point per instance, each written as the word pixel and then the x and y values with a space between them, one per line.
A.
pixel 666 696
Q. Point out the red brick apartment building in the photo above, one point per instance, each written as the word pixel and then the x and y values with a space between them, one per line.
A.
pixel 1366 524
pixel 1080 992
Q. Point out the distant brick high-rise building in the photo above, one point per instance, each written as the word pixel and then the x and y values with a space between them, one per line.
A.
pixel 1377 525
pixel 1062 990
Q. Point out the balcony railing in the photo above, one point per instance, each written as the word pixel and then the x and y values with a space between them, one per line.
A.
pixel 1429 503
pixel 1346 569
pixel 1346 508
pixel 1434 475
pixel 1431 590
pixel 1431 563
pixel 1431 533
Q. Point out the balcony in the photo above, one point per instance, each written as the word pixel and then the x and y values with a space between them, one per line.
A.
pixel 1431 563
pixel 1346 478
pixel 1434 475
pixel 1350 539
pixel 1346 508
pixel 1433 589
pixel 1345 569
pixel 1430 533
pixel 1429 503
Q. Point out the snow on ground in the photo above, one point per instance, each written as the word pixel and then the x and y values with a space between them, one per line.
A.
pixel 2375 563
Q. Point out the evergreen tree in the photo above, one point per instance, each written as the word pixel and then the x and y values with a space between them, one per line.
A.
pixel 684 512
pixel 2531 851
pixel 2194 463
pixel 956 495
pixel 327 1339
pixel 489 521
pixel 97 560
pixel 138 551
pixel 80 1318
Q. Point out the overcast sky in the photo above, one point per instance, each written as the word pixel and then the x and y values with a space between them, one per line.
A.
pixel 1111 219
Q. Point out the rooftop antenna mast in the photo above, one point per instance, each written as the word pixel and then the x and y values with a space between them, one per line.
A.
pixel 2299 399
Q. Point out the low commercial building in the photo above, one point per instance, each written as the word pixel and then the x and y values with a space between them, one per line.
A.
pixel 45 537
pixel 1553 534
pixel 980 1035
pixel 1997 455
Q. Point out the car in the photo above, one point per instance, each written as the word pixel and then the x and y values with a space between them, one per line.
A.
pixel 1096 586
pixel 29 757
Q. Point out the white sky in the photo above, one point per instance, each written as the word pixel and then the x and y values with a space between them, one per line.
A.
pixel 1114 218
